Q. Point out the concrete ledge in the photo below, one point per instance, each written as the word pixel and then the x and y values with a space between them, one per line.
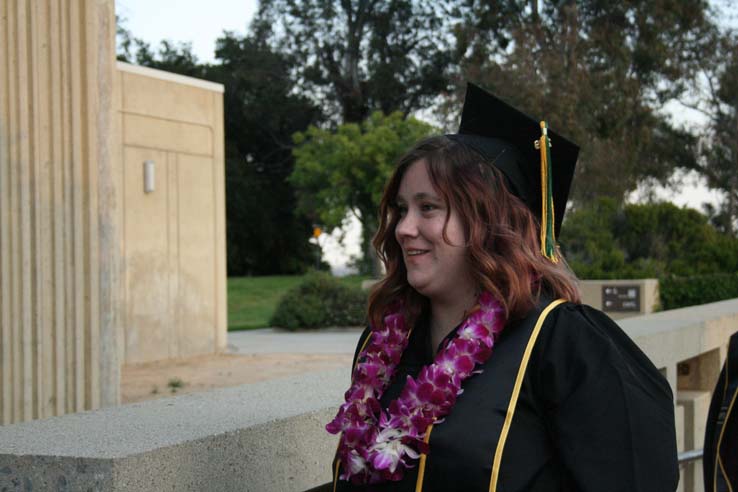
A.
pixel 261 437
pixel 669 337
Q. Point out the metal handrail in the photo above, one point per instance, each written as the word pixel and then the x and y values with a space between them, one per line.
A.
pixel 689 456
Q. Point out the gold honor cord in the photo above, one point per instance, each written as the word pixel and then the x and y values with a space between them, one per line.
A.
pixel 718 461
pixel 717 448
pixel 335 474
pixel 516 392
pixel 548 239
pixel 421 465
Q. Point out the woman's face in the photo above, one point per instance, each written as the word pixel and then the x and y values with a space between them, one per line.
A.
pixel 435 268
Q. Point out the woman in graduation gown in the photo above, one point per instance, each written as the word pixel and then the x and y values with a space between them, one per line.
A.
pixel 481 370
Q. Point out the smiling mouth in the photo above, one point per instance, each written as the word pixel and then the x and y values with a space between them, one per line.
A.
pixel 416 252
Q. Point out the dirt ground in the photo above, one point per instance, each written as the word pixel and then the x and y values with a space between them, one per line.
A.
pixel 152 380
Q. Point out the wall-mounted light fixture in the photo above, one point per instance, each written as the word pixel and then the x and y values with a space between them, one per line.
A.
pixel 149 177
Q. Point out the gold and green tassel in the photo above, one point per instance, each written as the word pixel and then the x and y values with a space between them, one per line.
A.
pixel 548 236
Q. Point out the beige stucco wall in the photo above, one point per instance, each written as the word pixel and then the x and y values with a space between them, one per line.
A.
pixel 174 293
pixel 59 235
pixel 92 271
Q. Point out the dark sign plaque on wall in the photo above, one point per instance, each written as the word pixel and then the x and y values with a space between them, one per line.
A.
pixel 621 298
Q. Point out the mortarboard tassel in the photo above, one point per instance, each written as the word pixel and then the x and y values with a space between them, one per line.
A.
pixel 548 239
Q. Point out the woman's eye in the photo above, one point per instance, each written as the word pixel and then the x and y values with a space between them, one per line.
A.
pixel 402 210
pixel 428 207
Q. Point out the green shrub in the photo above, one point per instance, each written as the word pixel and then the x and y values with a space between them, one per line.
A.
pixel 604 240
pixel 676 292
pixel 320 301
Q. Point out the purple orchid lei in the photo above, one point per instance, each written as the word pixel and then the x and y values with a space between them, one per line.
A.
pixel 377 444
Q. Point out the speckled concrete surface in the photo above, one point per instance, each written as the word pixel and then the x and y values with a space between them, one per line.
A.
pixel 263 437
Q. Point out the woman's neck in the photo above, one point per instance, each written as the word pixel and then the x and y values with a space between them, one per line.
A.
pixel 446 314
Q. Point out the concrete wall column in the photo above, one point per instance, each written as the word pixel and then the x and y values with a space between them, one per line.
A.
pixel 59 239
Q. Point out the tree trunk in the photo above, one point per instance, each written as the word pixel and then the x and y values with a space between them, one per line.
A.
pixel 732 189
pixel 371 263
pixel 731 209
pixel 354 104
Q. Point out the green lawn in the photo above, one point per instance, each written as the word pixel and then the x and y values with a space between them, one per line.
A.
pixel 252 300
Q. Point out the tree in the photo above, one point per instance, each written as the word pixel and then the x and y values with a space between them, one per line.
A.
pixel 362 55
pixel 599 71
pixel 265 234
pixel 342 172
pixel 715 95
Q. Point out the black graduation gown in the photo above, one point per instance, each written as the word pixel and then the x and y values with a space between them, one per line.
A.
pixel 593 413
pixel 720 459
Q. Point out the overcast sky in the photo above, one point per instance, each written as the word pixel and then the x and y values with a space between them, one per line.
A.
pixel 196 21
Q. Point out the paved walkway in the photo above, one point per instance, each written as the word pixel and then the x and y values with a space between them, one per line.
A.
pixel 271 341
pixel 252 356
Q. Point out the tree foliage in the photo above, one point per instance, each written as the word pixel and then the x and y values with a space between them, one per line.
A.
pixel 605 240
pixel 345 171
pixel 715 95
pixel 265 234
pixel 676 292
pixel 600 71
pixel 363 55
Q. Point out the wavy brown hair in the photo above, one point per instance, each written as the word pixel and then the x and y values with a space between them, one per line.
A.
pixel 502 234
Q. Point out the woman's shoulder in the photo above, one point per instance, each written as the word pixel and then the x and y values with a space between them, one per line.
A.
pixel 597 390
pixel 564 319
pixel 576 339
pixel 579 325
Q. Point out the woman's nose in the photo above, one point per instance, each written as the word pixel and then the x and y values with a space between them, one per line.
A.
pixel 407 226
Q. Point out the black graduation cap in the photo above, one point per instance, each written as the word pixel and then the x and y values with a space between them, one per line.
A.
pixel 512 142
